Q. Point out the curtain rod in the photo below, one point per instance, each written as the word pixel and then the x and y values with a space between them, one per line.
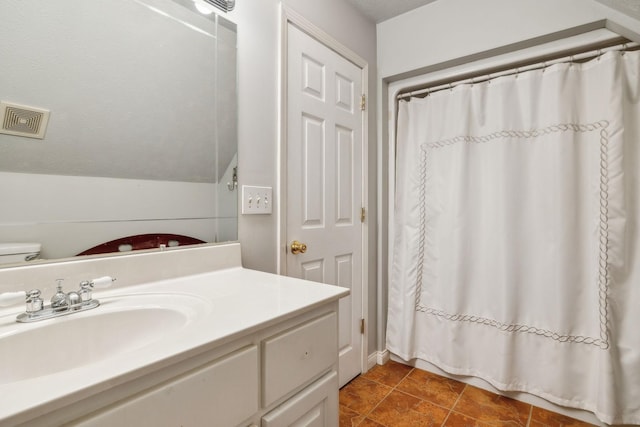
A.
pixel 511 71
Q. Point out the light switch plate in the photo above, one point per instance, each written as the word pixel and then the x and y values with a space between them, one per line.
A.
pixel 256 200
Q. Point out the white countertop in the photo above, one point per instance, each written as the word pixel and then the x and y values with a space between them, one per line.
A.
pixel 240 301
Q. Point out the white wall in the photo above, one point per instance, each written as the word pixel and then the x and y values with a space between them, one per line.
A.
pixel 445 30
pixel 259 92
pixel 448 30
pixel 453 32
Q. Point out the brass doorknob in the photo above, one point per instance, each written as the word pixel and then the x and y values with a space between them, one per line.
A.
pixel 298 248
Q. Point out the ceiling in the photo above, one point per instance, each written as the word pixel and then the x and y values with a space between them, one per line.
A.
pixel 381 10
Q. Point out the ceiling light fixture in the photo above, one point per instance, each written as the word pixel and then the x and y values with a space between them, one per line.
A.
pixel 225 5
pixel 203 7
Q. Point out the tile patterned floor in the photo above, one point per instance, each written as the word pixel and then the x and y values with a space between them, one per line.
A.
pixel 396 395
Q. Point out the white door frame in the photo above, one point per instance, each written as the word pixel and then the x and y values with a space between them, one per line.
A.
pixel 289 16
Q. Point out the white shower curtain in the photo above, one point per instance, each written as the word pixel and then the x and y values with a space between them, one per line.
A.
pixel 516 247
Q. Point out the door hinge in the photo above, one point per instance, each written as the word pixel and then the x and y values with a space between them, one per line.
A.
pixel 363 102
pixel 363 214
pixel 362 326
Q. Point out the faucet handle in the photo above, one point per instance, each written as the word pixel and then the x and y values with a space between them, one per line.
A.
pixel 102 282
pixel 34 302
pixel 86 286
pixel 11 298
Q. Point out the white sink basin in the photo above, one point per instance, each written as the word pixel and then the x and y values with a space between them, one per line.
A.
pixel 119 325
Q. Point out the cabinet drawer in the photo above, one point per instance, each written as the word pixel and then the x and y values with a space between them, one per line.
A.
pixel 316 405
pixel 294 357
pixel 222 393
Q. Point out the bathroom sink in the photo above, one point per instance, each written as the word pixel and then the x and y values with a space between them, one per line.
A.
pixel 119 325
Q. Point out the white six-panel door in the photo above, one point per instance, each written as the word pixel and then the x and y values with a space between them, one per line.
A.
pixel 324 180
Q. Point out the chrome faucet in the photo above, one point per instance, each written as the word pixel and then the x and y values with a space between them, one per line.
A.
pixel 61 303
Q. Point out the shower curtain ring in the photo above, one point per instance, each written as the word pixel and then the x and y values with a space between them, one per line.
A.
pixel 599 53
pixel 624 49
pixel 450 87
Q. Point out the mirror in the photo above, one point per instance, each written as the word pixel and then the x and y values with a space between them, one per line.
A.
pixel 142 131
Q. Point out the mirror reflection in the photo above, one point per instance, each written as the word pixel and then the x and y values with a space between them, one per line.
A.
pixel 141 131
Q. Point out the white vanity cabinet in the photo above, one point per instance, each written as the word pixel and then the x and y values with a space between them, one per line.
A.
pixel 250 349
pixel 282 375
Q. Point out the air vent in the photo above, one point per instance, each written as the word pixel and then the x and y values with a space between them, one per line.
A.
pixel 226 5
pixel 20 120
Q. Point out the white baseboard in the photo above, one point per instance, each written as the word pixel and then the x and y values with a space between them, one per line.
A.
pixel 378 358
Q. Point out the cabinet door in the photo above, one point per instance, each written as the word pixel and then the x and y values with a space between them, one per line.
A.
pixel 222 393
pixel 315 406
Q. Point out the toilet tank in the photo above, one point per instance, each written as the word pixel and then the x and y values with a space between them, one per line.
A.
pixel 18 252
